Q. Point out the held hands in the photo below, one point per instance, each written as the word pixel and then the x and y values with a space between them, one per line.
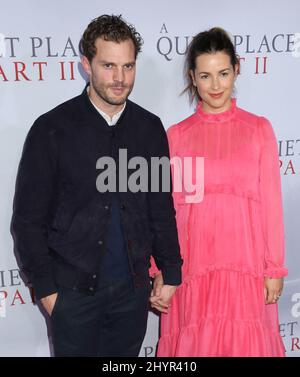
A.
pixel 273 289
pixel 161 294
pixel 49 302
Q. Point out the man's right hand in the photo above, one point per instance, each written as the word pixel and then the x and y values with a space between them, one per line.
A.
pixel 49 302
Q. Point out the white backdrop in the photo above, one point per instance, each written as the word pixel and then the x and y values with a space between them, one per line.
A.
pixel 39 69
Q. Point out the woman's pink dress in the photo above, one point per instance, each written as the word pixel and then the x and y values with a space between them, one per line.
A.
pixel 229 241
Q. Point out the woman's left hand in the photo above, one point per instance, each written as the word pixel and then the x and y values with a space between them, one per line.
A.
pixel 273 289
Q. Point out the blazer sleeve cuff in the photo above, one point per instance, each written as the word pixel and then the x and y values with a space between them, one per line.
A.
pixel 172 275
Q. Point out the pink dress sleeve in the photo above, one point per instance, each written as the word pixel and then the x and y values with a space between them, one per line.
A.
pixel 153 270
pixel 271 203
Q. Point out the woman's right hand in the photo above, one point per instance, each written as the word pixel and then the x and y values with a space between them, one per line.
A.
pixel 273 289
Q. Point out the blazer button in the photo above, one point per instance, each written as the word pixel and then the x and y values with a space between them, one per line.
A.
pixel 94 276
pixel 106 207
pixel 91 289
pixel 100 242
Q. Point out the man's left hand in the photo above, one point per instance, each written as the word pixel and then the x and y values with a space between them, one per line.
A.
pixel 161 294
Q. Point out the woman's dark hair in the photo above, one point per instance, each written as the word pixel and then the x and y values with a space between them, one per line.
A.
pixel 207 42
pixel 110 28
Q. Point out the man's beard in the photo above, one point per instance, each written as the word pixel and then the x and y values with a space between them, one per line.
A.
pixel 102 92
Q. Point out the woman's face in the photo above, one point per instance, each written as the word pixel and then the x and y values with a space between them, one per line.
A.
pixel 214 78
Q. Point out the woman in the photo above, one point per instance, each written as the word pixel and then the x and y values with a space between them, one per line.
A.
pixel 232 242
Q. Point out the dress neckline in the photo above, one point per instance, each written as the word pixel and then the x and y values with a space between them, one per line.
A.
pixel 218 117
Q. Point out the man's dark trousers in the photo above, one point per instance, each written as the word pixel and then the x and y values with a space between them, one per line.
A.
pixel 110 323
pixel 113 321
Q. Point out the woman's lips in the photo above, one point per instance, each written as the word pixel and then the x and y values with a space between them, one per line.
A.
pixel 216 95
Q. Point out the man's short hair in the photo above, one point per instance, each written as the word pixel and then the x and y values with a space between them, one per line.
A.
pixel 110 28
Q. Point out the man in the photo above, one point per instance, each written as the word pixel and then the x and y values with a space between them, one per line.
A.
pixel 85 251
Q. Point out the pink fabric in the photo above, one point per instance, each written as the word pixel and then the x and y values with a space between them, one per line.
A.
pixel 153 270
pixel 229 242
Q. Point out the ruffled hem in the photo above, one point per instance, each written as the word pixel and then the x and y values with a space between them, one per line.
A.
pixel 221 313
pixel 256 272
pixel 222 337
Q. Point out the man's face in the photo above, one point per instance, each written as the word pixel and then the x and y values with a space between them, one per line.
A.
pixel 111 73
